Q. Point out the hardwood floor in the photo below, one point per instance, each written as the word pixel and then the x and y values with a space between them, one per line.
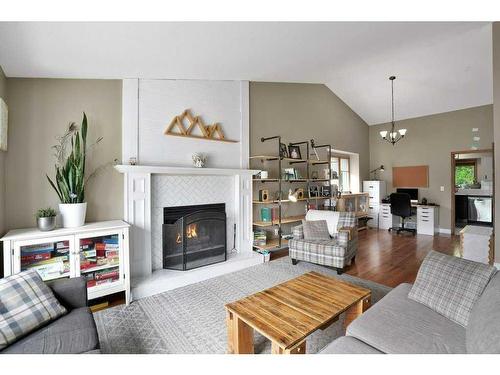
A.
pixel 391 259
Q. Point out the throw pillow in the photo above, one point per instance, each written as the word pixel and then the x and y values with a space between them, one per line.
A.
pixel 450 285
pixel 315 230
pixel 26 304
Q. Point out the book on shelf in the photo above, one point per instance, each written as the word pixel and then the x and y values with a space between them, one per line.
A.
pixel 89 253
pixel 30 258
pixel 86 242
pixel 62 245
pixel 38 248
pixel 111 240
pixel 259 237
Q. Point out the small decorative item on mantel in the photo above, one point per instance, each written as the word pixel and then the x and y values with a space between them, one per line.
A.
pixel 199 160
pixel 71 177
pixel 46 219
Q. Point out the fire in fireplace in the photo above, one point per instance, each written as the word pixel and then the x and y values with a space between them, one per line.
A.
pixel 194 236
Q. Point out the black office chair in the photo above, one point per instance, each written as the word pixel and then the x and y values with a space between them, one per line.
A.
pixel 401 206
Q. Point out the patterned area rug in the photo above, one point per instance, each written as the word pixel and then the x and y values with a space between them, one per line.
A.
pixel 191 319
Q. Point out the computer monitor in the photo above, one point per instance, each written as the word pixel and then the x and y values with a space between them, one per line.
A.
pixel 412 192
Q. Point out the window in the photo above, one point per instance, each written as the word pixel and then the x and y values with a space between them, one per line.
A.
pixel 341 173
pixel 465 172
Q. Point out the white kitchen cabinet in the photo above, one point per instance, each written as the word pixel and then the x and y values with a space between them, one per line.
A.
pixel 97 251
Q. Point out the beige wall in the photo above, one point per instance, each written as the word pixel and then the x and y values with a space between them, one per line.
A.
pixel 40 110
pixel 299 112
pixel 496 117
pixel 429 141
pixel 3 95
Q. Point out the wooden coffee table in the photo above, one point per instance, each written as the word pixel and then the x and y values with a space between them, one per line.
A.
pixel 289 312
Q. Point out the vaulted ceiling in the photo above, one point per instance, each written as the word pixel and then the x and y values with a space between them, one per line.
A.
pixel 440 67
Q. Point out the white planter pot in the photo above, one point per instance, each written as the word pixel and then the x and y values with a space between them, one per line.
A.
pixel 73 214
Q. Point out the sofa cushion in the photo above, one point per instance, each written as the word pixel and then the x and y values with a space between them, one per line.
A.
pixel 315 230
pixel 349 345
pixel 397 324
pixel 450 285
pixel 73 333
pixel 483 330
pixel 26 304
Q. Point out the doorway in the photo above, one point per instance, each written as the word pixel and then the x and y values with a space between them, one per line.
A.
pixel 472 188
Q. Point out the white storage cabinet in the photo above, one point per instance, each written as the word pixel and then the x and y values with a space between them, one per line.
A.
pixel 97 251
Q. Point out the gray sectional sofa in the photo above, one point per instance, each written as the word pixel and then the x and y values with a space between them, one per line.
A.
pixel 399 325
pixel 73 333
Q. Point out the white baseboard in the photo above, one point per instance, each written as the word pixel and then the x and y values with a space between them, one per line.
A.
pixel 444 231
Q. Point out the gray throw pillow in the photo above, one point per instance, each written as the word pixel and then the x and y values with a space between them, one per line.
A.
pixel 450 285
pixel 26 304
pixel 315 230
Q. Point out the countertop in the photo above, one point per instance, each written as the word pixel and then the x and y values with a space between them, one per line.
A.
pixel 478 192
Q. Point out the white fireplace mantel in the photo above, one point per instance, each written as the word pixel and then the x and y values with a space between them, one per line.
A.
pixel 182 171
pixel 138 199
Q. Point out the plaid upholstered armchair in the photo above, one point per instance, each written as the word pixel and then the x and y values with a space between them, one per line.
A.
pixel 337 252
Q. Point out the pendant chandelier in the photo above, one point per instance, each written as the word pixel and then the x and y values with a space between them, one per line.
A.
pixel 393 136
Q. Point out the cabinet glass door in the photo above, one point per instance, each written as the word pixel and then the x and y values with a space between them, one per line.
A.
pixel 99 259
pixel 51 259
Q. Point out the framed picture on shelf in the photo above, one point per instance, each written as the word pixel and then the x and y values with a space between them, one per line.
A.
pixel 289 174
pixel 294 152
pixel 326 191
pixel 283 150
pixel 313 191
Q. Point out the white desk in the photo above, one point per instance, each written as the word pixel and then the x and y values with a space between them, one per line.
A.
pixel 427 218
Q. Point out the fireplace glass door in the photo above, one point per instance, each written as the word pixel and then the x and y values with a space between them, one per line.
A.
pixel 194 240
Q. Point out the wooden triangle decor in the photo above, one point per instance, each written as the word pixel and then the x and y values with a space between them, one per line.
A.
pixel 209 132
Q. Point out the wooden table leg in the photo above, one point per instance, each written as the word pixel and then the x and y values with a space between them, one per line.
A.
pixel 356 310
pixel 239 335
pixel 297 349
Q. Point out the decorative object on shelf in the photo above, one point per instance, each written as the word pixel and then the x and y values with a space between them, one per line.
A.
pixel 264 175
pixel 199 160
pixel 4 121
pixel 132 161
pixel 335 175
pixel 283 151
pixel 424 200
pixel 266 214
pixel 295 195
pixel 381 169
pixel 326 174
pixel 46 219
pixel 210 132
pixel 70 174
pixel 294 152
pixel 314 175
pixel 264 195
pixel 393 137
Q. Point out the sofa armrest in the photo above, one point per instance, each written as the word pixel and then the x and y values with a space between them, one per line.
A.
pixel 298 232
pixel 72 293
pixel 350 232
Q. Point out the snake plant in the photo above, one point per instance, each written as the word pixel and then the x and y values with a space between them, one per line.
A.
pixel 70 169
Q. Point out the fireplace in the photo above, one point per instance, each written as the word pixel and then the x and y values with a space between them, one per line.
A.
pixel 194 236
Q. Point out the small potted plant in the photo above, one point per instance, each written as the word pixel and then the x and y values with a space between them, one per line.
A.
pixel 46 219
pixel 70 174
